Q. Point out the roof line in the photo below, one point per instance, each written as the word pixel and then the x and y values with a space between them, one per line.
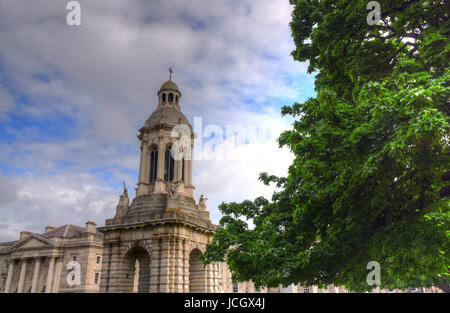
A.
pixel 65 231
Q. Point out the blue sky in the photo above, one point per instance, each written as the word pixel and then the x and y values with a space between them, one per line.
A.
pixel 72 99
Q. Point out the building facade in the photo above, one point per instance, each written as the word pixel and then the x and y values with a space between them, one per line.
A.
pixel 37 263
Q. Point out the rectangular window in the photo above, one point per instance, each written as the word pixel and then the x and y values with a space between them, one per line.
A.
pixel 98 260
pixel 153 164
pixel 182 169
pixel 169 165
pixel 96 278
pixel 305 289
pixel 235 287
pixel 74 258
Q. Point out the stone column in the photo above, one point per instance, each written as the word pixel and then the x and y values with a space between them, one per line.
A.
pixel 178 170
pixel 189 188
pixel 34 283
pixel 144 177
pixel 140 185
pixel 161 159
pixel 189 166
pixel 209 271
pixel 115 273
pixel 48 284
pixel 216 277
pixel 106 266
pixel 57 275
pixel 146 165
pixel 10 275
pixel 154 266
pixel 179 266
pixel 171 264
pixel 141 163
pixel 186 265
pixel 23 271
pixel 159 183
pixel 164 266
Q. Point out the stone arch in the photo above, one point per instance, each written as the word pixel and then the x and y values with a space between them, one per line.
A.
pixel 197 245
pixel 197 273
pixel 135 270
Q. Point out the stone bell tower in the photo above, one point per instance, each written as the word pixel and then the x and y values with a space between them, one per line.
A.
pixel 154 244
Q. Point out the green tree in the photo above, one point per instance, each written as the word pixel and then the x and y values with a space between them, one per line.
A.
pixel 370 150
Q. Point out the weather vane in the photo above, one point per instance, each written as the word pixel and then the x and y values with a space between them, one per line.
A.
pixel 170 73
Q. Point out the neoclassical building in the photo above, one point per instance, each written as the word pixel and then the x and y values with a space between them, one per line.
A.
pixel 37 263
pixel 154 244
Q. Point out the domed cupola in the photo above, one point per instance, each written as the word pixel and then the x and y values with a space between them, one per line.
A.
pixel 169 85
pixel 169 94
pixel 167 113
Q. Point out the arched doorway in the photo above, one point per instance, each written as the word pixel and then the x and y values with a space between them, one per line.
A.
pixel 197 281
pixel 136 271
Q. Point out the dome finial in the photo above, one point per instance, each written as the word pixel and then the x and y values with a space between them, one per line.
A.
pixel 170 73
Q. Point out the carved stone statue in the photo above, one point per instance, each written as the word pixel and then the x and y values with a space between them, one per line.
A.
pixel 124 203
pixel 202 203
pixel 172 190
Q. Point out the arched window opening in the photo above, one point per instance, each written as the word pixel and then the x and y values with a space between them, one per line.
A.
pixel 169 165
pixel 197 282
pixel 170 97
pixel 163 97
pixel 153 164
pixel 176 99
pixel 135 267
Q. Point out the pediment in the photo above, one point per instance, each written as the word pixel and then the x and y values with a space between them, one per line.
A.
pixel 32 241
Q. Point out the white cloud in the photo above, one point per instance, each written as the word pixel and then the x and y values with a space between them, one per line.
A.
pixel 31 202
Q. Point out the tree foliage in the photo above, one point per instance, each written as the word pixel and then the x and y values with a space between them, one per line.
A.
pixel 369 150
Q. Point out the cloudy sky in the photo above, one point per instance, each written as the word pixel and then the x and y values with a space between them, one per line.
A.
pixel 72 99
